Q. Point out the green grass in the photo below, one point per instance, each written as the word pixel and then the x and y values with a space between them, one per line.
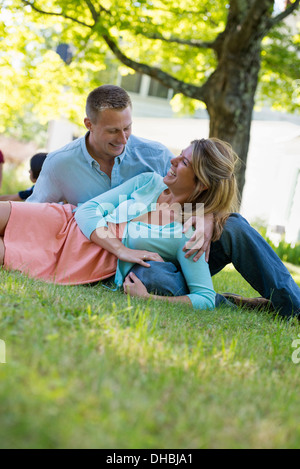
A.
pixel 88 368
pixel 15 178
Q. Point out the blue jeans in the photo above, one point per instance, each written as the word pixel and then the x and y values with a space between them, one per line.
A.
pixel 254 259
pixel 166 279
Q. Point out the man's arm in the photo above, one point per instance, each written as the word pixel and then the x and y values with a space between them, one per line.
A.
pixel 201 240
pixel 11 198
pixel 47 187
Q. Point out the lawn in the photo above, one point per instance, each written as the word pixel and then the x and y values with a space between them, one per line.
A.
pixel 88 368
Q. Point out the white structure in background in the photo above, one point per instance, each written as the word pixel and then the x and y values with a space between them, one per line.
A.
pixel 271 192
pixel 293 221
pixel 285 214
pixel 60 132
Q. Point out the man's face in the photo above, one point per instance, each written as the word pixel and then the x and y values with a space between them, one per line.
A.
pixel 109 134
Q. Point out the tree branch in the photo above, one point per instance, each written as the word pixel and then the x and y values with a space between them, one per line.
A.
pixel 166 79
pixel 52 13
pixel 249 26
pixel 179 86
pixel 277 19
pixel 94 12
pixel 192 43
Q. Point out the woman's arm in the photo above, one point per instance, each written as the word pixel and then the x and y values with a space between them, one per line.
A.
pixel 106 239
pixel 91 215
pixel 134 287
pixel 198 279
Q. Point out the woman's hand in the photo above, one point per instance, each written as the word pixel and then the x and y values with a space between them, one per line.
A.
pixel 136 256
pixel 134 287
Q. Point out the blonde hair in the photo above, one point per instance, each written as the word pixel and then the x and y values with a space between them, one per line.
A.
pixel 213 162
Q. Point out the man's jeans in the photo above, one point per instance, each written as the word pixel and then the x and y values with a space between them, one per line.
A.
pixel 254 259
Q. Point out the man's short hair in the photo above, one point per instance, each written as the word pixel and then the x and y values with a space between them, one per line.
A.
pixel 106 97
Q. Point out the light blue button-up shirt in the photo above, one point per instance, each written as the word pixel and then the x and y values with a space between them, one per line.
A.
pixel 71 174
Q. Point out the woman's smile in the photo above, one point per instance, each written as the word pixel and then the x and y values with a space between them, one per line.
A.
pixel 171 172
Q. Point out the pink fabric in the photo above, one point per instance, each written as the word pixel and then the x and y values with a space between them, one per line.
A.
pixel 45 242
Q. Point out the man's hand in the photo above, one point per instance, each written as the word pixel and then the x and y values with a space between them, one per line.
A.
pixel 201 239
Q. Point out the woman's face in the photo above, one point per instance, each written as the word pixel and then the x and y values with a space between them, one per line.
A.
pixel 181 177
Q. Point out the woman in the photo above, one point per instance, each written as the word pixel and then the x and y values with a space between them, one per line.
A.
pixel 136 222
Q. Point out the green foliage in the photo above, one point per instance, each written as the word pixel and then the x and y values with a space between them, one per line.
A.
pixel 15 178
pixel 280 70
pixel 287 252
pixel 27 128
pixel 35 80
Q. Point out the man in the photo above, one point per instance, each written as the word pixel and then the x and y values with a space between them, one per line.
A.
pixel 109 155
pixel 104 158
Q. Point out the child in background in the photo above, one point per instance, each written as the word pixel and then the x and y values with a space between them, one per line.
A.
pixel 36 164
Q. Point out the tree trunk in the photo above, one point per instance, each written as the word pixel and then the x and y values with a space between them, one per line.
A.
pixel 230 90
pixel 230 100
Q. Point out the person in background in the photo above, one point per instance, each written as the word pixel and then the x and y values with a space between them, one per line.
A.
pixel 1 167
pixel 36 164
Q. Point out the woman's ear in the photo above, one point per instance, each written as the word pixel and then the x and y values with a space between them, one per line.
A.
pixel 202 187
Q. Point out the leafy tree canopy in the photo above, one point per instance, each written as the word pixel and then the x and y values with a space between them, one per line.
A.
pixel 179 38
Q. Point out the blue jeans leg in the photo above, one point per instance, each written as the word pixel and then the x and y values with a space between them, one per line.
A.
pixel 255 260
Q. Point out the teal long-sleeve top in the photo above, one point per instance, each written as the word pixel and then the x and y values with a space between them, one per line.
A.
pixel 130 200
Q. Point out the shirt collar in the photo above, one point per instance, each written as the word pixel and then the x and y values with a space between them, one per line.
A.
pixel 121 157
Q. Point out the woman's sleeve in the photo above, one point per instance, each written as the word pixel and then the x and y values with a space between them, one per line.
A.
pixel 91 215
pixel 198 279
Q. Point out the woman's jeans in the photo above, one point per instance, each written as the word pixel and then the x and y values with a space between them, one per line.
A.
pixel 255 260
